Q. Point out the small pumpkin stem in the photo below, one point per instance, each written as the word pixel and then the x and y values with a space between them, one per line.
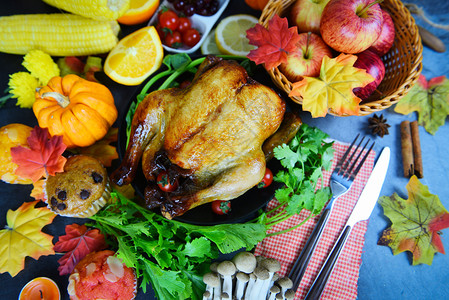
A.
pixel 61 99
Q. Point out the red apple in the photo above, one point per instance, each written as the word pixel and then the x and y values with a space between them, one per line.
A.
pixel 374 66
pixel 306 61
pixel 386 38
pixel 351 26
pixel 306 14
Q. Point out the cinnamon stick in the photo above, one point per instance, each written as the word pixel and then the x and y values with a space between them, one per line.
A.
pixel 417 157
pixel 407 149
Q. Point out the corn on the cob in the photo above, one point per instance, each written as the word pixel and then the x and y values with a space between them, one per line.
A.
pixel 103 10
pixel 57 34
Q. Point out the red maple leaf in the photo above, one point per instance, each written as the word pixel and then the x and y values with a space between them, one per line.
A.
pixel 77 242
pixel 273 44
pixel 42 158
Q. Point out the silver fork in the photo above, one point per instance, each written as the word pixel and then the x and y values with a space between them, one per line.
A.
pixel 340 182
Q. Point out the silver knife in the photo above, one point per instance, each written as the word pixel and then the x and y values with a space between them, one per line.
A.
pixel 362 211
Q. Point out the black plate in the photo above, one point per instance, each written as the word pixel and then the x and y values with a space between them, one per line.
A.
pixel 244 208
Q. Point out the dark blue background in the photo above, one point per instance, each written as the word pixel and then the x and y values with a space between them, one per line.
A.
pixel 382 275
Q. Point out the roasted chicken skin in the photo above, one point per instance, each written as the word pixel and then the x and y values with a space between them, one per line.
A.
pixel 208 136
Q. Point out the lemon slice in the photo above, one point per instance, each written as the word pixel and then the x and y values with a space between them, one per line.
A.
pixel 209 46
pixel 135 57
pixel 139 11
pixel 230 34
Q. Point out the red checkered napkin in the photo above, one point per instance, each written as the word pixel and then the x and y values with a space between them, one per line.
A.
pixel 286 247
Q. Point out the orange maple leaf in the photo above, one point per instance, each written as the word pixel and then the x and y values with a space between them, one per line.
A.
pixel 23 237
pixel 43 158
pixel 332 90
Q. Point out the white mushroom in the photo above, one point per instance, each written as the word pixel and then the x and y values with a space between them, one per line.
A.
pixel 263 276
pixel 289 295
pixel 213 266
pixel 274 290
pixel 245 262
pixel 249 285
pixel 217 291
pixel 259 258
pixel 273 280
pixel 226 269
pixel 213 284
pixel 285 284
pixel 272 266
pixel 207 295
pixel 240 284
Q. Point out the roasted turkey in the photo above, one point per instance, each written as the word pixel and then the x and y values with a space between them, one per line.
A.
pixel 208 136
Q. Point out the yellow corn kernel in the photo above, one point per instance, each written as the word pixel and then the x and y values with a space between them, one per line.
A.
pixel 57 34
pixel 103 10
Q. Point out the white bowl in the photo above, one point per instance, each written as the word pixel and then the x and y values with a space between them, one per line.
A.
pixel 203 24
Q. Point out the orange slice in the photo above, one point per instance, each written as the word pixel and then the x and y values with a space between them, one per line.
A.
pixel 139 11
pixel 135 57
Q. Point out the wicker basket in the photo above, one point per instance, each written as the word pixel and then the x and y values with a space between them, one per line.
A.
pixel 403 63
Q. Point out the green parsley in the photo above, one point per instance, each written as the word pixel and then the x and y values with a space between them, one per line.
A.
pixel 304 158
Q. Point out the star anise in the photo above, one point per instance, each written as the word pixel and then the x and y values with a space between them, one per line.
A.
pixel 378 125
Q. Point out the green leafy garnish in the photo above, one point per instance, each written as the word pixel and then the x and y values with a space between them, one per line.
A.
pixel 171 255
pixel 304 158
pixel 6 97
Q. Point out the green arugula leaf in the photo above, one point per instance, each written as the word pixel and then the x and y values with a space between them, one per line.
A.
pixel 196 281
pixel 197 247
pixel 167 284
pixel 170 255
pixel 232 237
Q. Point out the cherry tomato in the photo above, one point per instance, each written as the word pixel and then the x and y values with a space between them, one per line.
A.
pixel 221 207
pixel 169 19
pixel 184 24
pixel 173 39
pixel 160 32
pixel 164 182
pixel 191 37
pixel 267 179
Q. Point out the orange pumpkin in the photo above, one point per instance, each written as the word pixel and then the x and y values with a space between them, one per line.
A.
pixel 81 111
pixel 256 4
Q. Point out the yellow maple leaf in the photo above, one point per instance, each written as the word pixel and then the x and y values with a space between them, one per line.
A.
pixel 332 90
pixel 102 150
pixel 23 237
pixel 38 190
pixel 126 190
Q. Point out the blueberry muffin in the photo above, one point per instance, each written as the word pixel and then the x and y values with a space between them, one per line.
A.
pixel 81 190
